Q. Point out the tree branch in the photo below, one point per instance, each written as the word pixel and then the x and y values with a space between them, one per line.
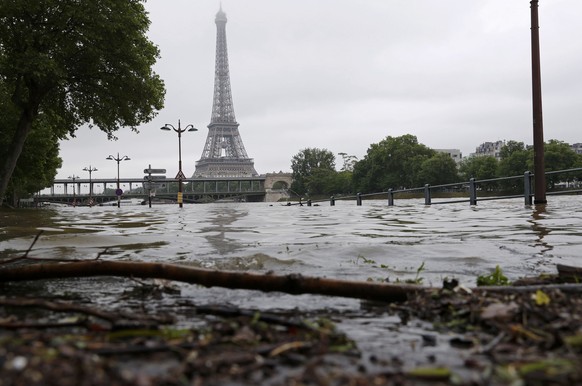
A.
pixel 292 284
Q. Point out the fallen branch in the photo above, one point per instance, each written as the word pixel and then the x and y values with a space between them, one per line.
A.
pixel 70 307
pixel 293 284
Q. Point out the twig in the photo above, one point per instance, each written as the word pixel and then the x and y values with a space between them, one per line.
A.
pixel 25 256
pixel 38 326
pixel 289 346
pixel 491 345
pixel 32 245
pixel 69 307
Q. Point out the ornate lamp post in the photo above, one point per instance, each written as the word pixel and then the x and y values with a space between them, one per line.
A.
pixel 118 191
pixel 90 169
pixel 74 177
pixel 180 176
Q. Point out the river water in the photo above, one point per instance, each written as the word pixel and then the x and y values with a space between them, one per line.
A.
pixel 372 241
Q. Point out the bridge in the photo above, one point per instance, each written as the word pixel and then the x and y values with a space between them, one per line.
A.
pixel 99 191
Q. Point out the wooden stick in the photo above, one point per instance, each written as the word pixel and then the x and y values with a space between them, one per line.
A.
pixel 292 284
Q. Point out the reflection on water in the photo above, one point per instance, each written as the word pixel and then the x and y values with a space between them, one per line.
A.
pixel 372 241
pixel 222 223
pixel 537 217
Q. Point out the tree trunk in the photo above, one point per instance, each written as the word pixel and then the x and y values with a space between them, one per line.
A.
pixel 23 128
pixel 292 284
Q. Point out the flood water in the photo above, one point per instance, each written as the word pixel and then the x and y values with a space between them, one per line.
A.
pixel 372 241
pixel 344 241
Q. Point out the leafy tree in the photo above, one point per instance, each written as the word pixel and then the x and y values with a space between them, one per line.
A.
pixel 348 162
pixel 394 162
pixel 516 159
pixel 312 169
pixel 37 166
pixel 480 168
pixel 511 147
pixel 559 156
pixel 438 169
pixel 341 183
pixel 75 62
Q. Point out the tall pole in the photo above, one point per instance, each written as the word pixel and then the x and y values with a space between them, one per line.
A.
pixel 538 126
pixel 118 191
pixel 180 176
pixel 74 177
pixel 90 169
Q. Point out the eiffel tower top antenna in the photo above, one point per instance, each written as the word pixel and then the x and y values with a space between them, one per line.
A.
pixel 222 107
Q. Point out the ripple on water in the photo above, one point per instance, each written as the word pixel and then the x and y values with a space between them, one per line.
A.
pixel 451 240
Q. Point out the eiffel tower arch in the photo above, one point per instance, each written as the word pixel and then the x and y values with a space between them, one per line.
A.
pixel 224 154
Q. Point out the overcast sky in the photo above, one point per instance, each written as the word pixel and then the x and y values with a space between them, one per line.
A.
pixel 343 74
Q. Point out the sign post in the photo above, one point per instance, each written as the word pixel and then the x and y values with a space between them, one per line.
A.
pixel 150 181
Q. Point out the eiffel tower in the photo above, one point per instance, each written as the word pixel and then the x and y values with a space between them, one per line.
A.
pixel 224 154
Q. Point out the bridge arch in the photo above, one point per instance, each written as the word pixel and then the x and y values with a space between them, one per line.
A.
pixel 277 186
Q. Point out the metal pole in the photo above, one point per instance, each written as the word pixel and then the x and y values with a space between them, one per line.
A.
pixel 90 169
pixel 180 199
pixel 427 194
pixel 527 188
pixel 116 192
pixel 180 175
pixel 472 192
pixel 118 160
pixel 538 127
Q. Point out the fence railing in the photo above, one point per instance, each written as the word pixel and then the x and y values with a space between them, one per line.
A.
pixel 472 187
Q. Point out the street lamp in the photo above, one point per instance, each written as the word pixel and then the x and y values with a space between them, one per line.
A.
pixel 90 169
pixel 180 176
pixel 74 177
pixel 118 191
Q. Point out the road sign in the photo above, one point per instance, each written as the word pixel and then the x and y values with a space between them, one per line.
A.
pixel 118 192
pixel 153 185
pixel 151 178
pixel 154 171
pixel 180 176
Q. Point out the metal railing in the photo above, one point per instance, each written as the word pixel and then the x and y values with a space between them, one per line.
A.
pixel 471 188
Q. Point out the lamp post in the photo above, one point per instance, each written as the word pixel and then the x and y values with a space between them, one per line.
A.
pixel 180 176
pixel 538 126
pixel 118 191
pixel 90 169
pixel 74 177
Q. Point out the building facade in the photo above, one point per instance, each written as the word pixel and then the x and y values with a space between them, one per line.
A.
pixel 492 149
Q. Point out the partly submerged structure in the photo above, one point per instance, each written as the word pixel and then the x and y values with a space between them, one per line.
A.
pixel 224 154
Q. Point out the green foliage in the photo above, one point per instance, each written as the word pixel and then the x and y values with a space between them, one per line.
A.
pixel 516 159
pixel 438 169
pixel 560 156
pixel 495 278
pixel 313 171
pixel 480 168
pixel 394 162
pixel 37 166
pixel 417 279
pixel 348 162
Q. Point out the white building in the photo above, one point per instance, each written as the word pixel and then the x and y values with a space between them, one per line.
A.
pixel 455 154
pixel 492 149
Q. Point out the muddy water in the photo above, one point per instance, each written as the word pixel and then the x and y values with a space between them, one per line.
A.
pixel 372 241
